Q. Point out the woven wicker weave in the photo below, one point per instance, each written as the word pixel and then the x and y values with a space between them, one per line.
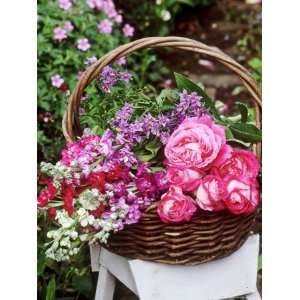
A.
pixel 209 235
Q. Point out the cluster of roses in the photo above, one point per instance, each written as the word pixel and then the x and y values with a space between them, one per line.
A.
pixel 203 167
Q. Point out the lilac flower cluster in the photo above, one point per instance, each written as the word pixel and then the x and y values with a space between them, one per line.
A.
pixel 190 105
pixel 109 77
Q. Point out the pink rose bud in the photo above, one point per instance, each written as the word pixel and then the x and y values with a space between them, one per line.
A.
pixel 242 195
pixel 186 179
pixel 175 207
pixel 195 144
pixel 210 193
pixel 241 163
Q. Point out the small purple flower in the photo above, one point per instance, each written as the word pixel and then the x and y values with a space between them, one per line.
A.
pixel 59 34
pixel 118 19
pixel 68 26
pixel 119 189
pixel 90 60
pixel 57 80
pixel 161 180
pixel 83 44
pixel 128 30
pixel 121 61
pixel 125 76
pixel 105 26
pixel 133 214
pixel 65 4
pixel 145 184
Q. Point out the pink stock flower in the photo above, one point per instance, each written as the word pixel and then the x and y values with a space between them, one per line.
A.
pixel 59 33
pixel 240 163
pixel 68 26
pixel 105 26
pixel 57 80
pixel 65 4
pixel 242 196
pixel 195 144
pixel 186 179
pixel 210 193
pixel 128 30
pixel 175 207
pixel 83 44
pixel 121 61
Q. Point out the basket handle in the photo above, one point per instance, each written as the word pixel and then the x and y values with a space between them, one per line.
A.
pixel 70 123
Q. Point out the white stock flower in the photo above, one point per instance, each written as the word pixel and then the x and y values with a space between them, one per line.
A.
pixel 165 15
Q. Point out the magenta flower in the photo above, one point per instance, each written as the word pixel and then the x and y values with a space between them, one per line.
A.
pixel 121 61
pixel 105 26
pixel 57 80
pixel 65 4
pixel 68 26
pixel 83 44
pixel 128 30
pixel 59 33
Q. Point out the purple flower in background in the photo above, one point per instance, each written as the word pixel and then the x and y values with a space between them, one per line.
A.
pixel 81 111
pixel 57 80
pixel 65 4
pixel 59 33
pixel 90 60
pixel 83 44
pixel 118 19
pixel 68 26
pixel 125 76
pixel 128 30
pixel 108 77
pixel 121 61
pixel 105 26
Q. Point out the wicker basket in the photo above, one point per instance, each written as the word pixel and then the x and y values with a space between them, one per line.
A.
pixel 207 236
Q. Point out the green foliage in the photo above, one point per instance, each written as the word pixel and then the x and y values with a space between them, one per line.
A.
pixel 65 59
pixel 239 129
pixel 256 66
pixel 156 17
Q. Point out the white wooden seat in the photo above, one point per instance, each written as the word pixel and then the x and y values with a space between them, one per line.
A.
pixel 224 278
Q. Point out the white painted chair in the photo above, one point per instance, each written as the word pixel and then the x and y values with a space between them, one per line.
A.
pixel 224 278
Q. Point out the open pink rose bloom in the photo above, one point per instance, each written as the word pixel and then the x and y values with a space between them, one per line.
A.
pixel 202 169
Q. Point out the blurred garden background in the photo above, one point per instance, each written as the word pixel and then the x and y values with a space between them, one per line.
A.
pixel 72 34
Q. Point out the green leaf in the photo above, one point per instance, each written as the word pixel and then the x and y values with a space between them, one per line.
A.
pixel 235 142
pixel 84 285
pixel 259 265
pixel 50 293
pixel 184 83
pixel 246 132
pixel 150 151
pixel 243 110
pixel 41 264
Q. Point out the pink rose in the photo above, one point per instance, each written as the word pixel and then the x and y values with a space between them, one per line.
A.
pixel 211 193
pixel 186 179
pixel 242 194
pixel 175 207
pixel 241 163
pixel 196 143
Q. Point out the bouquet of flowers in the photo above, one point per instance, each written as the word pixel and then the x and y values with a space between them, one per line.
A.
pixel 182 153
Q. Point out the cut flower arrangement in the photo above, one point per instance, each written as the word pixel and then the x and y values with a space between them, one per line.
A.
pixel 181 154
